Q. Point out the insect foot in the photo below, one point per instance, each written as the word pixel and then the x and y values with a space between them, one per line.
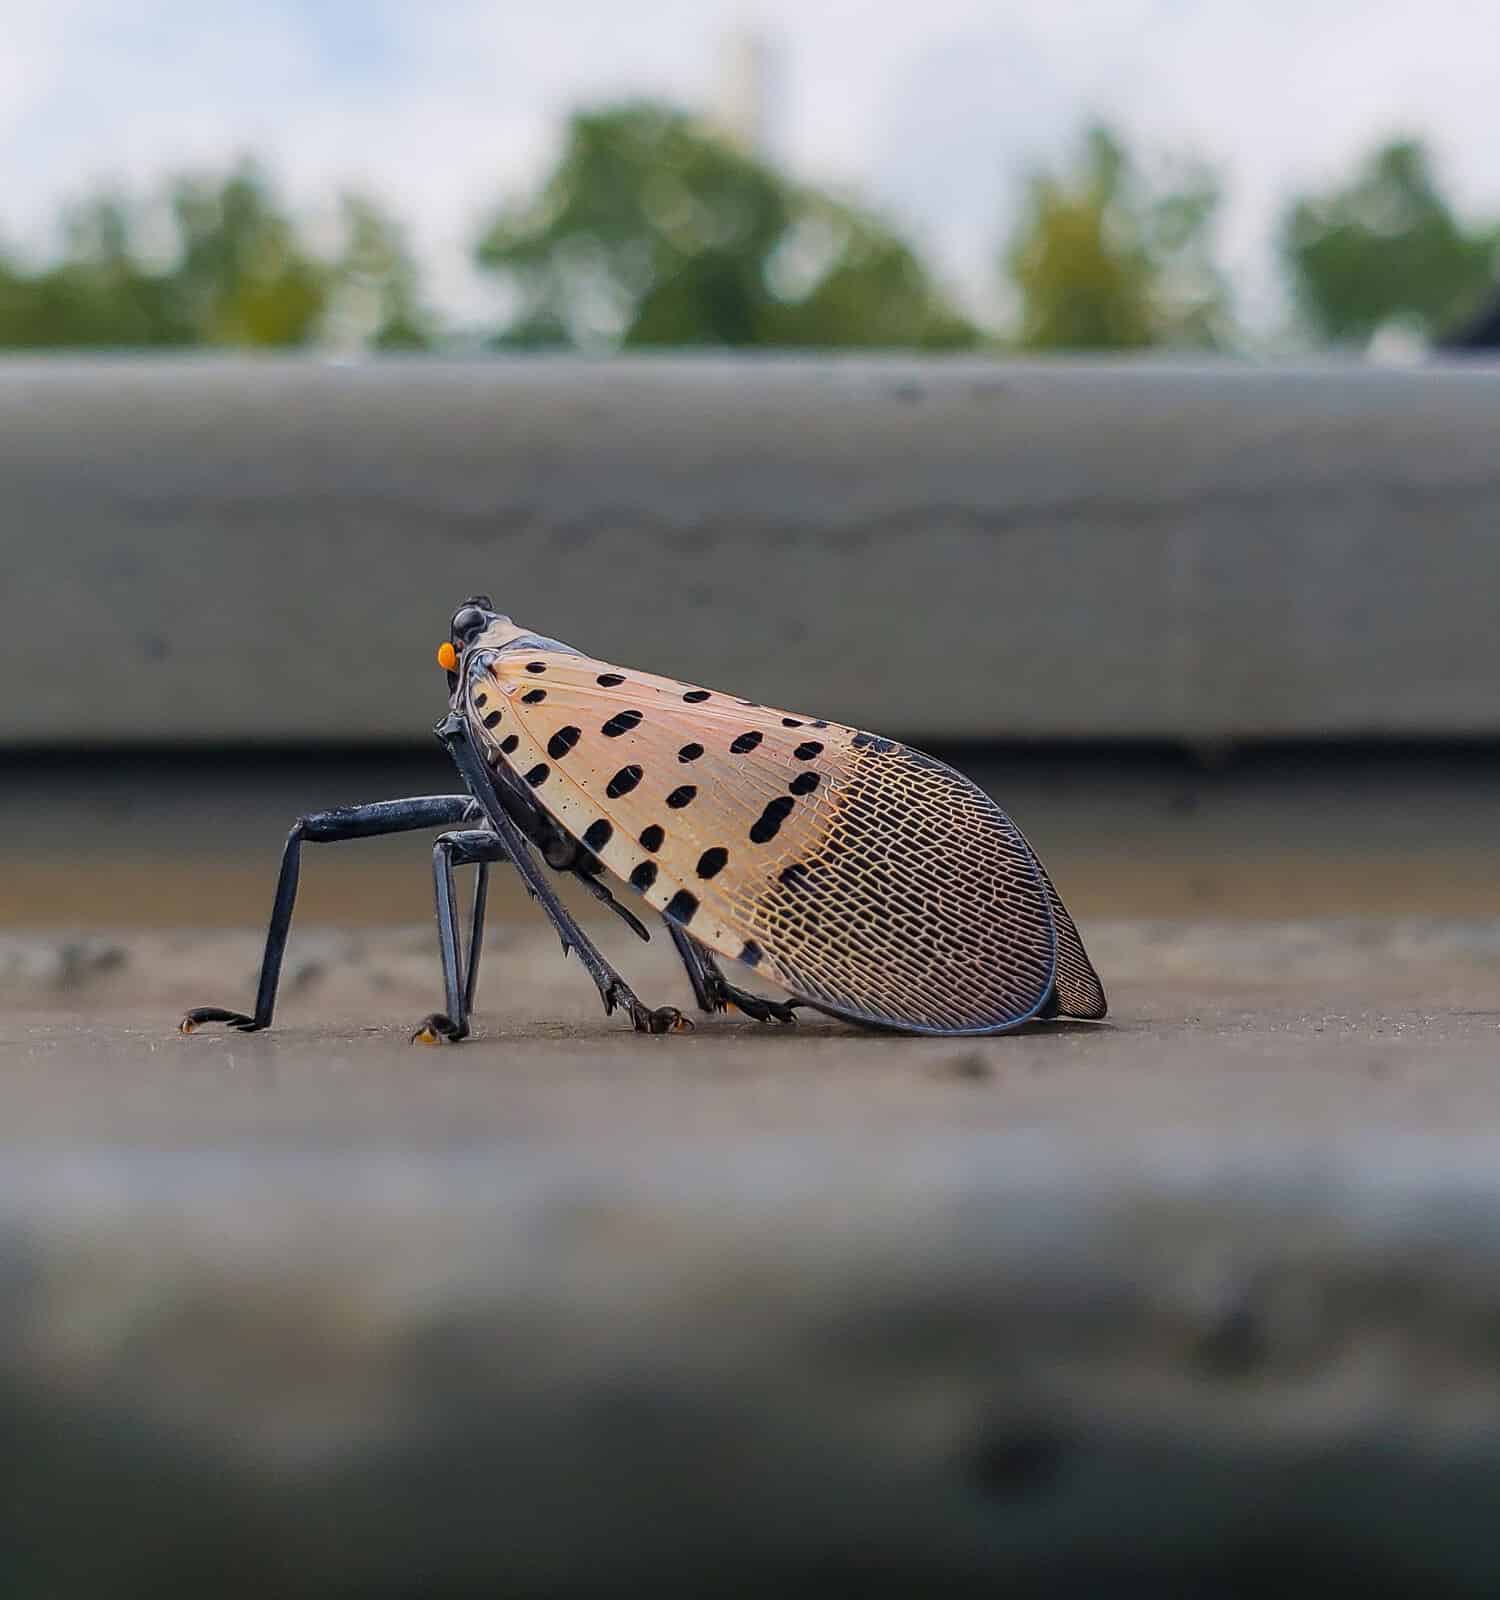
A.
pixel 438 1029
pixel 724 996
pixel 782 1011
pixel 664 1019
pixel 233 1019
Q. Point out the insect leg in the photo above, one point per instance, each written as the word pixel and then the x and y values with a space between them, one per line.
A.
pixel 695 961
pixel 613 989
pixel 327 827
pixel 476 934
pixel 714 992
pixel 625 914
pixel 479 847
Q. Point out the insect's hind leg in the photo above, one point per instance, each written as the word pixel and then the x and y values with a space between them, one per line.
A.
pixel 714 992
pixel 695 962
pixel 474 847
pixel 327 827
pixel 613 989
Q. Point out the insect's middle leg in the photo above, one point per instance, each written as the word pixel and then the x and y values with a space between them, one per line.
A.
pixel 714 992
pixel 478 847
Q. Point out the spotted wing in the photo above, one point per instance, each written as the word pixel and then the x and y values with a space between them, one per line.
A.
pixel 858 873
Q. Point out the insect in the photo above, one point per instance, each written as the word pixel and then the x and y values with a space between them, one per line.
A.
pixel 868 880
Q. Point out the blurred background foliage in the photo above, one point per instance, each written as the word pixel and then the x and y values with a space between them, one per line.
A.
pixel 653 229
pixel 1387 247
pixel 236 272
pixel 1105 258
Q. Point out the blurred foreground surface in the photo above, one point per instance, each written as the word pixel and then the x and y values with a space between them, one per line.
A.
pixel 1204 1298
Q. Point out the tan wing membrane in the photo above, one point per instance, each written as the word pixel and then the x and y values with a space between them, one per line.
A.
pixel 918 904
pixel 859 874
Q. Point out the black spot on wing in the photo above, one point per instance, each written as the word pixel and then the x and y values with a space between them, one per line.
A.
pixel 693 696
pixel 652 836
pixel 681 907
pixel 644 875
pixel 690 752
pixel 621 722
pixel 711 862
pixel 538 774
pixel 805 752
pixel 746 742
pixel 791 722
pixel 536 666
pixel 491 720
pixel 768 824
pixel 561 742
pixel 804 783
pixel 681 797
pixel 534 697
pixel 509 743
pixel 623 782
pixel 598 834
pixel 608 680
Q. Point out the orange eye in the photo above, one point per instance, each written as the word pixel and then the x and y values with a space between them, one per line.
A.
pixel 447 657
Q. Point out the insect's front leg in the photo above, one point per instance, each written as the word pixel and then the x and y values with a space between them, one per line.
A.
pixel 327 827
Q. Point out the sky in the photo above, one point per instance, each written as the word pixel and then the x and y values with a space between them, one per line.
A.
pixel 931 111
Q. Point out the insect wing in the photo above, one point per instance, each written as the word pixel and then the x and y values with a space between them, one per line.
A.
pixel 858 873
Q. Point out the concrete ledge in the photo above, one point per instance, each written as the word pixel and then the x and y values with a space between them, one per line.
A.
pixel 233 550
pixel 998 1364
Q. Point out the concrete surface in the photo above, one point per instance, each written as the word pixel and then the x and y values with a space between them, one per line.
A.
pixel 1299 1030
pixel 900 1368
pixel 1200 1300
pixel 237 551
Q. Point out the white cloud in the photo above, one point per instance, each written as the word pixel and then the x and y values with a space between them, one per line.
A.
pixel 442 107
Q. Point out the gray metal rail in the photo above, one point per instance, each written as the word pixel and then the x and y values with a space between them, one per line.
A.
pixel 268 550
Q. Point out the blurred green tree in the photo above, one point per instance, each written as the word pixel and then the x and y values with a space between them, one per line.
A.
pixel 651 230
pixel 1386 247
pixel 98 296
pixel 375 287
pixel 242 277
pixel 238 274
pixel 1107 258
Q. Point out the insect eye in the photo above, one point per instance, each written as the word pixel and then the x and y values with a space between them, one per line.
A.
pixel 467 622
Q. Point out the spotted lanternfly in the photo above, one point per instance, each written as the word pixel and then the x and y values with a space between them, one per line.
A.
pixel 867 879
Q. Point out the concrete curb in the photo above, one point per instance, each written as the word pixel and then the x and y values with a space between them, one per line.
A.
pixel 1003 1362
pixel 234 550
